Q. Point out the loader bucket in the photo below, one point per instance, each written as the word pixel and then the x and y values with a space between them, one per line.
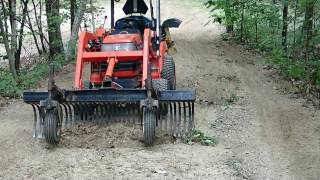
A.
pixel 175 112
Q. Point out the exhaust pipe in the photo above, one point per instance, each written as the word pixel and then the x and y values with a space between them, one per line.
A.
pixel 158 27
pixel 112 14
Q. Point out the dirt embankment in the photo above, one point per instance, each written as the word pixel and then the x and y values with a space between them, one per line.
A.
pixel 263 133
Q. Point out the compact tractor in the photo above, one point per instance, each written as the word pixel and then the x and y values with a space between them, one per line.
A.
pixel 132 80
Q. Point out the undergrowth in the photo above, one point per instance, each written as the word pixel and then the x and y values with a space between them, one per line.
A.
pixel 198 137
pixel 28 78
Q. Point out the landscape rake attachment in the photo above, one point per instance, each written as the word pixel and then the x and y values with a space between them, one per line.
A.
pixel 132 80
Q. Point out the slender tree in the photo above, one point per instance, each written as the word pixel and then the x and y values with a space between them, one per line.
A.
pixel 53 22
pixel 285 26
pixel 70 52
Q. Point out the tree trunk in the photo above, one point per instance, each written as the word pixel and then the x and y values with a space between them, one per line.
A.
pixel 39 24
pixel 71 48
pixel 10 53
pixel 308 33
pixel 92 16
pixel 308 28
pixel 54 32
pixel 228 11
pixel 295 21
pixel 242 21
pixel 21 35
pixel 33 34
pixel 285 26
pixel 73 4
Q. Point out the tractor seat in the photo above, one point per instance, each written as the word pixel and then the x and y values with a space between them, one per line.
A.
pixel 132 25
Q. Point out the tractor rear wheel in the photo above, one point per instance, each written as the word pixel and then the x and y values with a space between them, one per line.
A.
pixel 52 126
pixel 169 72
pixel 149 126
pixel 160 84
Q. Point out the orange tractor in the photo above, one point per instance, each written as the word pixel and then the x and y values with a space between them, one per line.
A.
pixel 132 80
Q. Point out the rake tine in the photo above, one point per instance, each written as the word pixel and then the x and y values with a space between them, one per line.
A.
pixel 65 115
pixel 135 113
pixel 129 113
pixel 160 115
pixel 34 133
pixel 76 112
pixel 80 111
pixel 69 115
pixel 93 111
pixel 41 121
pixel 107 113
pixel 92 115
pixel 84 111
pixel 190 118
pixel 175 118
pixel 120 112
pixel 167 116
pixel 104 114
pixel 137 110
pixel 127 117
pixel 179 120
pixel 116 114
pixel 171 117
pixel 87 111
pixel 113 110
pixel 99 113
pixel 74 109
pixel 184 117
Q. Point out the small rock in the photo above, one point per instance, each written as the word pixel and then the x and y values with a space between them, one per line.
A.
pixel 160 172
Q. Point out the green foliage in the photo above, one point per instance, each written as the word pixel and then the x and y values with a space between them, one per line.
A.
pixel 286 66
pixel 260 25
pixel 199 137
pixel 28 79
pixel 8 86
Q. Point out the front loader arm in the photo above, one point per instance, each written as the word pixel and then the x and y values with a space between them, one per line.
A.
pixel 84 38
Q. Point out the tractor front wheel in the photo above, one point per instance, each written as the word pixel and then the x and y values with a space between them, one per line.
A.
pixel 52 126
pixel 149 126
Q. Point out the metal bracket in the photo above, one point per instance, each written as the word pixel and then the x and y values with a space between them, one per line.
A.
pixel 149 103
pixel 49 104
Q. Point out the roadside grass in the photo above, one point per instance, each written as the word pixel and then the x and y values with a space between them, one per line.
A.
pixel 198 137
pixel 28 79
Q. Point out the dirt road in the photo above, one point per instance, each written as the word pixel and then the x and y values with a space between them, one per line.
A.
pixel 263 133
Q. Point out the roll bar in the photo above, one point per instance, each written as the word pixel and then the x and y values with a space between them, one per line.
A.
pixel 157 19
